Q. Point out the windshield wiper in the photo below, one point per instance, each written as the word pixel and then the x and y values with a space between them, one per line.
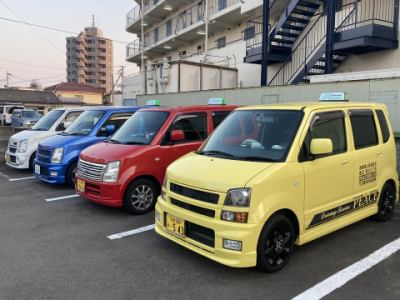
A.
pixel 216 152
pixel 63 133
pixel 77 133
pixel 135 143
pixel 114 141
pixel 256 158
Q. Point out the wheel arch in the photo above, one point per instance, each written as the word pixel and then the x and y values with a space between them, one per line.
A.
pixel 143 176
pixel 288 213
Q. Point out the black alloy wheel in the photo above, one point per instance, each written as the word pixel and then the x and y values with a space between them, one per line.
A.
pixel 386 203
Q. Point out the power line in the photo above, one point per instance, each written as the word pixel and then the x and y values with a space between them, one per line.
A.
pixel 56 29
pixel 31 27
pixel 29 64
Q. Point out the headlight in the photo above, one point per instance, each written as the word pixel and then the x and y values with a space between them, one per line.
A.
pixel 22 146
pixel 111 172
pixel 238 197
pixel 57 155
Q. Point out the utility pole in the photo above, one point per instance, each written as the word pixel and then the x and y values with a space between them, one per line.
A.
pixel 206 17
pixel 122 80
pixel 141 45
pixel 265 44
pixel 8 79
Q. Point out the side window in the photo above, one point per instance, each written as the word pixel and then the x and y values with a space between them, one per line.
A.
pixel 194 127
pixel 69 119
pixel 115 120
pixel 329 125
pixel 383 124
pixel 364 130
pixel 218 117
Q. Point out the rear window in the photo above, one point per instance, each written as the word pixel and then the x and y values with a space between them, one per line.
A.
pixel 384 126
pixel 364 129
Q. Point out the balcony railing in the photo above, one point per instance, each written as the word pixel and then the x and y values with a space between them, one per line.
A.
pixel 174 26
pixel 136 12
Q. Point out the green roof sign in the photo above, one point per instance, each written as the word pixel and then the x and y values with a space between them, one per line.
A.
pixel 216 101
pixel 337 96
pixel 153 102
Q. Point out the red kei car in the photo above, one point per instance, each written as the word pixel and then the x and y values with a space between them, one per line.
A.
pixel 128 170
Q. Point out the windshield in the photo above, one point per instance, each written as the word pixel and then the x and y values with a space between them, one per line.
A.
pixel 254 135
pixel 141 128
pixel 30 114
pixel 85 123
pixel 48 120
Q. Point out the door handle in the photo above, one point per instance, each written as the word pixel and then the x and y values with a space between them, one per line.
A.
pixel 380 154
pixel 345 162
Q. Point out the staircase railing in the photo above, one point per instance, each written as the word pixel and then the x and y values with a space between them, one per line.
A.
pixel 313 39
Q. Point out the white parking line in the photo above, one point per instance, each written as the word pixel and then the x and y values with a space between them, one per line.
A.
pixel 131 232
pixel 21 178
pixel 62 197
pixel 342 277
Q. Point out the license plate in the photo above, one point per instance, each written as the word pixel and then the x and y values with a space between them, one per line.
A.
pixel 37 169
pixel 80 185
pixel 7 157
pixel 176 225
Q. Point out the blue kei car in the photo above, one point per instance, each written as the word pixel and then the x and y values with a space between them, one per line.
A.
pixel 24 118
pixel 57 157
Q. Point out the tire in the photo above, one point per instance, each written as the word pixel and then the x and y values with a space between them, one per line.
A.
pixel 141 196
pixel 386 203
pixel 70 175
pixel 276 244
pixel 31 159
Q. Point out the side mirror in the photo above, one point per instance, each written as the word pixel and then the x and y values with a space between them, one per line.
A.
pixel 177 135
pixel 321 146
pixel 109 129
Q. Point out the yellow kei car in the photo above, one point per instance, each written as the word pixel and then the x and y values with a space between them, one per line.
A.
pixel 272 176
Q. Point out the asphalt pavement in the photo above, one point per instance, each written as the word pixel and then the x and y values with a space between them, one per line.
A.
pixel 55 245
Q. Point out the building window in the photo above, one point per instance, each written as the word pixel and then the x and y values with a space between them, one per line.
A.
pixel 199 49
pixel 182 54
pixel 200 10
pixel 169 27
pixel 221 4
pixel 249 33
pixel 156 35
pixel 221 42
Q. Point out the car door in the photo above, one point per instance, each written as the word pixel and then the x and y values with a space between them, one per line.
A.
pixel 194 127
pixel 328 178
pixel 369 153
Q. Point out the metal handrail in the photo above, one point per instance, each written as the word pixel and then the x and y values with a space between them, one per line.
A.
pixel 306 47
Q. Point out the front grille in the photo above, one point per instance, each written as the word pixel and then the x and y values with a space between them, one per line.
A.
pixel 43 154
pixel 195 194
pixel 12 147
pixel 92 188
pixel 200 234
pixel 200 210
pixel 90 170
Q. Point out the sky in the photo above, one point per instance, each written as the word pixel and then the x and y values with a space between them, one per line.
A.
pixel 39 54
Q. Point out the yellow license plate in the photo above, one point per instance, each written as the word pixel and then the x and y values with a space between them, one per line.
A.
pixel 80 185
pixel 176 225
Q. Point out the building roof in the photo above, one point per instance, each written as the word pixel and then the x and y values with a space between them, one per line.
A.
pixel 71 100
pixel 75 87
pixel 21 96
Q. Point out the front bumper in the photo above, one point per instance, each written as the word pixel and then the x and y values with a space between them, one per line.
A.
pixel 248 234
pixel 108 194
pixel 17 161
pixel 51 173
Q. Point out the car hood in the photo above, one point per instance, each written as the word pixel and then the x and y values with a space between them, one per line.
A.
pixel 103 153
pixel 212 173
pixel 68 141
pixel 31 135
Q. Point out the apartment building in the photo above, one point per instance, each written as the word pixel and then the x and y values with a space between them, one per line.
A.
pixel 90 59
pixel 215 44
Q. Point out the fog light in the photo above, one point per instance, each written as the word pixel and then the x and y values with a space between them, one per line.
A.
pixel 232 245
pixel 231 216
pixel 157 216
pixel 53 173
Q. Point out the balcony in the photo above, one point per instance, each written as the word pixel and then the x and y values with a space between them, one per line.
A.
pixel 154 11
pixel 188 26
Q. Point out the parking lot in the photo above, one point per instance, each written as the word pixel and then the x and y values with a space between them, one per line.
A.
pixel 57 245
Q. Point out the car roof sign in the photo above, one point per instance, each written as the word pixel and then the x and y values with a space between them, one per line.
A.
pixel 216 101
pixel 153 102
pixel 335 96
